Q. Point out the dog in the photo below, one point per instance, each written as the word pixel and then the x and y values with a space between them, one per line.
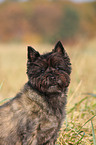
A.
pixel 34 116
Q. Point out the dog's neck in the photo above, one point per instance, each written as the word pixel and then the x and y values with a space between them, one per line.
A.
pixel 56 103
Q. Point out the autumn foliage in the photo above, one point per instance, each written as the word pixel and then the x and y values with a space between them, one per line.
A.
pixel 47 21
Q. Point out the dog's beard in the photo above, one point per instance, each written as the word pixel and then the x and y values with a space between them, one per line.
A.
pixel 50 82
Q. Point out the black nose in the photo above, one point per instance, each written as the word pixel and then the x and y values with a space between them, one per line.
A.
pixel 49 70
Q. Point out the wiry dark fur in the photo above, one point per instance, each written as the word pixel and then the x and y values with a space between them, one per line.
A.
pixel 35 115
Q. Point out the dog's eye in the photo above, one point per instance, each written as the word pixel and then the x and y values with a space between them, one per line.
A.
pixel 42 70
pixel 57 68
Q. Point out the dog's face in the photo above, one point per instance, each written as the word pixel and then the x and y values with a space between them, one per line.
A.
pixel 49 73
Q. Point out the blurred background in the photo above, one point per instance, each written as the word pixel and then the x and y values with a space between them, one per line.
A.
pixel 41 23
pixel 47 21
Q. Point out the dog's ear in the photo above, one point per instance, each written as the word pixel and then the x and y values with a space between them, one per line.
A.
pixel 32 54
pixel 59 48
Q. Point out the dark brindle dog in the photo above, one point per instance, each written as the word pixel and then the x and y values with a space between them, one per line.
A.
pixel 35 115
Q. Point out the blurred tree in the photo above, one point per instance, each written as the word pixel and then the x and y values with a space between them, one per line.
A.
pixel 69 24
pixel 50 21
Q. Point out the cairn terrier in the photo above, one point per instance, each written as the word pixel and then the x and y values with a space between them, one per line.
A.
pixel 34 116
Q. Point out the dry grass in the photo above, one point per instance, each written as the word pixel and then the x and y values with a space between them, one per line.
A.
pixel 81 107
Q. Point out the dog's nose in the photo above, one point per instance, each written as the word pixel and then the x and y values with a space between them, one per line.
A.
pixel 49 69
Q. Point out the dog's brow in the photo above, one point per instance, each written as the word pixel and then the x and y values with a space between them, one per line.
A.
pixel 35 64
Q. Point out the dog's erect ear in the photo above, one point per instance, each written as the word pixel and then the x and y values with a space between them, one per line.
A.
pixel 59 48
pixel 32 54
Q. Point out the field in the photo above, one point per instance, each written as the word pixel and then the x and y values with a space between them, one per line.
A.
pixel 79 127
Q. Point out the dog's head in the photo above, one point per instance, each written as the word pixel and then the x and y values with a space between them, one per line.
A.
pixel 49 73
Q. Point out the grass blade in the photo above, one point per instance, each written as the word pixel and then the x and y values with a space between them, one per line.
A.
pixel 77 104
pixel 7 99
pixel 1 85
pixel 90 94
pixel 87 122
pixel 4 100
pixel 94 141
pixel 77 88
pixel 80 138
pixel 66 124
